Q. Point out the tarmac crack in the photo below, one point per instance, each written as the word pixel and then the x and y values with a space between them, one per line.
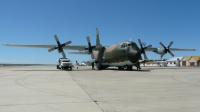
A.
pixel 95 101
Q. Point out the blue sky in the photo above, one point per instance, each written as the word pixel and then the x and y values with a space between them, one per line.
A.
pixel 37 21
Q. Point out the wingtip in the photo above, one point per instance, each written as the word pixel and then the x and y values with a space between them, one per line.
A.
pixel 4 44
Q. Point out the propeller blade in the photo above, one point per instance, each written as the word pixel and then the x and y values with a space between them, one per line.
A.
pixel 170 44
pixel 88 39
pixel 92 55
pixel 171 53
pixel 52 49
pixel 63 53
pixel 89 45
pixel 162 55
pixel 67 43
pixel 145 56
pixel 162 45
pixel 56 38
pixel 140 42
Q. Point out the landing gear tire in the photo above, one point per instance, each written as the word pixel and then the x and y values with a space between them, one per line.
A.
pixel 99 66
pixel 93 66
pixel 58 67
pixel 129 67
pixel 121 68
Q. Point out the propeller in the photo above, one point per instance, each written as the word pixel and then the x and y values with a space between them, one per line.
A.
pixel 166 50
pixel 60 46
pixel 90 47
pixel 142 49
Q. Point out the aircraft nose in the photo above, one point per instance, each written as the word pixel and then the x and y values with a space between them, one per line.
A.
pixel 134 55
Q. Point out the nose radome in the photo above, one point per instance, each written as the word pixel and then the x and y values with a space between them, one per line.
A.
pixel 134 55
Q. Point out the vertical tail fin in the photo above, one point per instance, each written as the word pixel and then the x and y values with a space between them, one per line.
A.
pixel 97 39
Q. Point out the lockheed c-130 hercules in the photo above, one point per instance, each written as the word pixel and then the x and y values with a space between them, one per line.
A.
pixel 122 55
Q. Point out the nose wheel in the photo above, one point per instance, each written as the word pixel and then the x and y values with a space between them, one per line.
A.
pixel 138 65
pixel 93 66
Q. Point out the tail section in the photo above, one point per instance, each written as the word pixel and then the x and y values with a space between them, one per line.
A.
pixel 97 39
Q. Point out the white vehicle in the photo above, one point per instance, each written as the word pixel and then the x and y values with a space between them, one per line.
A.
pixel 64 63
pixel 82 64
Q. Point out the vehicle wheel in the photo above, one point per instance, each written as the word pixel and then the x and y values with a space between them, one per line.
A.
pixel 58 67
pixel 121 68
pixel 99 66
pixel 129 67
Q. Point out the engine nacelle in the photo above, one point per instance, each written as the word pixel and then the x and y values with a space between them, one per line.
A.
pixel 160 50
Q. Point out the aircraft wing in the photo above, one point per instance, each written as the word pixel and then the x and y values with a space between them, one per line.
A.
pixel 178 49
pixel 68 47
pixel 171 49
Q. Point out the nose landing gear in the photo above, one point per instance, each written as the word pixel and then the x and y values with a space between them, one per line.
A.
pixel 138 65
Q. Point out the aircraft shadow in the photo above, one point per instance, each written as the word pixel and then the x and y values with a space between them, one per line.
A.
pixel 135 70
pixel 115 69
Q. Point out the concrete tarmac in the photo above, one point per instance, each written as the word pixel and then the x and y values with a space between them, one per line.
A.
pixel 46 89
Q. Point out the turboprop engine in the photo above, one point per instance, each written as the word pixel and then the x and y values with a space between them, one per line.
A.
pixel 164 50
pixel 60 46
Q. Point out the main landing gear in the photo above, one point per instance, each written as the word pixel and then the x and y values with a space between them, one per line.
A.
pixel 129 67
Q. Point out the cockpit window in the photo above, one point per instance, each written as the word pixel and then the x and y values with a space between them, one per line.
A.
pixel 124 45
pixel 133 44
pixel 130 45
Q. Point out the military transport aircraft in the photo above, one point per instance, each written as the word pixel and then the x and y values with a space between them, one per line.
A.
pixel 122 55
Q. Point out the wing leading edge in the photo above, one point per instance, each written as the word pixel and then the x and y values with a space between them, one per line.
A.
pixel 68 47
